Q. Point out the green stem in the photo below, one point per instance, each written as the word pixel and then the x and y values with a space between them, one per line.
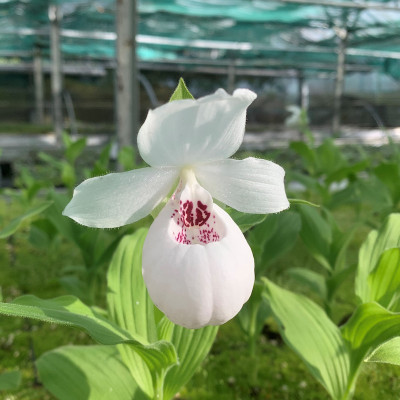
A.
pixel 159 386
pixel 253 342
pixel 348 395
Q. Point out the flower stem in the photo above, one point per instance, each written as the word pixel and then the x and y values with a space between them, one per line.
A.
pixel 159 386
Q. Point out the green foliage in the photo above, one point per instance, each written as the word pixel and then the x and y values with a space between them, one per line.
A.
pixel 389 174
pixel 273 238
pixel 131 308
pixel 12 227
pixel 377 273
pixel 87 373
pixel 370 327
pixel 334 356
pixel 388 353
pixel 313 336
pixel 126 158
pixel 181 92
pixel 10 380
pixel 328 245
pixel 243 220
pixel 148 346
pixel 68 310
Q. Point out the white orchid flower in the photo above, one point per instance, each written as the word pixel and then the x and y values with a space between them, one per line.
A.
pixel 197 265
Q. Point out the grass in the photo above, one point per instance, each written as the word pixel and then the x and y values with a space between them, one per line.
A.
pixel 228 373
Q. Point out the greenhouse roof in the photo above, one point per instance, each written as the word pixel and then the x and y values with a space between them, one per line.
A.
pixel 287 34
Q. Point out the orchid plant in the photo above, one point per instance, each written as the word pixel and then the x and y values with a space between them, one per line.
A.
pixel 197 265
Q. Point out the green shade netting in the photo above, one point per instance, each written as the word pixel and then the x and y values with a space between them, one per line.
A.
pixel 253 31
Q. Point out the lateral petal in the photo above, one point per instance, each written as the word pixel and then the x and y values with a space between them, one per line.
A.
pixel 251 185
pixel 120 198
pixel 197 284
pixel 186 132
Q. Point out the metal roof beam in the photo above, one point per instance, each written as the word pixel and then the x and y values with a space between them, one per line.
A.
pixel 345 4
pixel 204 44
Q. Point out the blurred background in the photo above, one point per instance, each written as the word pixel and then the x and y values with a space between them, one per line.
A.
pixel 94 68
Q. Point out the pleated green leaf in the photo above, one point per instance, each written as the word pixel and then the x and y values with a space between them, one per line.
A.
pixel 68 310
pixel 384 281
pixel 387 353
pixel 87 373
pixel 129 304
pixel 314 280
pixel 192 346
pixel 243 220
pixel 12 227
pixel 370 326
pixel 377 242
pixel 313 336
pixel 316 235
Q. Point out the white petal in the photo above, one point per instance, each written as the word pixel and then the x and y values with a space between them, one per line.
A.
pixel 119 199
pixel 190 131
pixel 251 185
pixel 197 284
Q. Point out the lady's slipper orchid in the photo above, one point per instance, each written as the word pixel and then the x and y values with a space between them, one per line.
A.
pixel 197 265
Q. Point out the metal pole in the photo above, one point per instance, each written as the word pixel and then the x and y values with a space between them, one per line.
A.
pixel 127 73
pixel 38 83
pixel 56 73
pixel 342 33
pixel 231 77
pixel 365 5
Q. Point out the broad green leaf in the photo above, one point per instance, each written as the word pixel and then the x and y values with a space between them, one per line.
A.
pixel 66 138
pixel 181 92
pixel 243 220
pixel 340 242
pixel 68 176
pixel 129 304
pixel 15 223
pixel 102 164
pixel 273 238
pixel 192 347
pixel 329 157
pixel 68 310
pixel 302 201
pixel 65 226
pixel 253 314
pixel 369 327
pixel 94 244
pixel 75 149
pixel 76 287
pixel 307 154
pixel 126 158
pixel 288 225
pixel 377 242
pixel 47 158
pixel 311 184
pixel 389 174
pixel 374 192
pixel 384 280
pixel 371 191
pixel 316 235
pixel 87 373
pixel 313 336
pixel 313 280
pixel 42 233
pixel 388 353
pixel 10 380
pixel 348 171
pixel 338 278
